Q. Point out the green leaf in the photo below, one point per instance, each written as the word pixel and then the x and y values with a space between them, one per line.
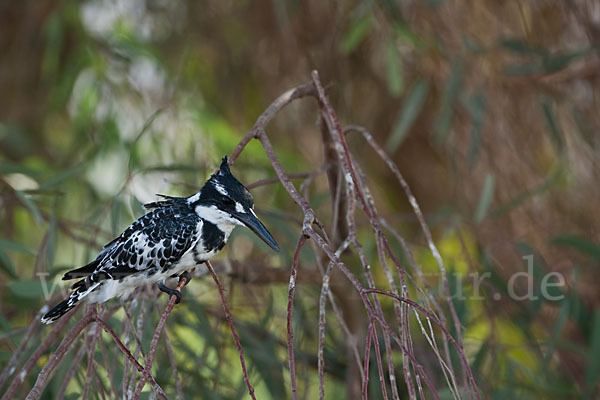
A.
pixel 480 357
pixel 579 243
pixel 61 177
pixel 486 197
pixel 435 3
pixel 473 45
pixel 522 69
pixel 115 215
pixel 520 46
pixel 558 61
pixel 30 205
pixel 51 242
pixel 557 329
pixel 132 146
pixel 11 168
pixel 551 180
pixel 262 351
pixel 395 78
pixel 593 369
pixel 203 326
pixel 27 288
pixel 446 113
pixel 13 246
pixel 584 127
pixel 137 208
pixel 476 108
pixel 410 110
pixel 357 32
pixel 553 129
pixel 404 32
pixel 6 264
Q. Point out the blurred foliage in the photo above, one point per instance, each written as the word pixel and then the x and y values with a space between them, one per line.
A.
pixel 489 108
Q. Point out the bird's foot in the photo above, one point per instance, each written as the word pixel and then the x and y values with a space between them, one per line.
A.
pixel 185 275
pixel 169 291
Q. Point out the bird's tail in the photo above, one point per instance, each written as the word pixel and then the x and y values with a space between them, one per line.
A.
pixel 81 290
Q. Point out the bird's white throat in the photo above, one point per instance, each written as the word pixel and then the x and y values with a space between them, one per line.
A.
pixel 224 221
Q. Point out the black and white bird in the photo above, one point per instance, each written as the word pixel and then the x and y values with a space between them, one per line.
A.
pixel 177 235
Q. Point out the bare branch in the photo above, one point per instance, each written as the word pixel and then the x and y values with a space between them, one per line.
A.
pixel 155 337
pixel 290 305
pixel 36 355
pixel 49 368
pixel 11 366
pixel 130 357
pixel 232 327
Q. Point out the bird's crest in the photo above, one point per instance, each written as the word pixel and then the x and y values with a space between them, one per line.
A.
pixel 224 168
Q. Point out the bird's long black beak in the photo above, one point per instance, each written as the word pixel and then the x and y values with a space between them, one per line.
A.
pixel 251 221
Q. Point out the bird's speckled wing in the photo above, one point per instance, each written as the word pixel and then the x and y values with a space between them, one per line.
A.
pixel 153 243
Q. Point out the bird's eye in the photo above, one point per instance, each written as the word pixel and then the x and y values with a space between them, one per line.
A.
pixel 228 201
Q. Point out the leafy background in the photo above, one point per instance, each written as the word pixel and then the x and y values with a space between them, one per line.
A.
pixel 490 109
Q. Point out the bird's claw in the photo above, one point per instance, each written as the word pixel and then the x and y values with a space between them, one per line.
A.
pixel 185 275
pixel 169 291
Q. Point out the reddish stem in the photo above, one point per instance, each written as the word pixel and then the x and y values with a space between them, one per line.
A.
pixel 18 380
pixel 158 390
pixel 290 327
pixel 46 372
pixel 367 360
pixel 232 327
pixel 157 332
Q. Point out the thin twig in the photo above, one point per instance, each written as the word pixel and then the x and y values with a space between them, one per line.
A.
pixel 31 329
pixel 270 181
pixel 110 368
pixel 158 390
pixel 232 327
pixel 290 310
pixel 368 306
pixel 437 322
pixel 57 356
pixel 18 380
pixel 263 120
pixel 153 344
pixel 171 355
pixel 367 360
pixel 430 242
pixel 71 372
pixel 322 322
pixel 91 351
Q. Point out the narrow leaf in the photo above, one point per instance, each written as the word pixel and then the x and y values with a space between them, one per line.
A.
pixel 27 288
pixel 553 129
pixel 579 243
pixel 476 107
pixel 520 46
pixel 6 264
pixel 593 368
pixel 410 110
pixel 63 176
pixel 395 78
pixel 485 199
pixel 30 205
pixel 13 246
pixel 551 180
pixel 357 32
pixel 446 113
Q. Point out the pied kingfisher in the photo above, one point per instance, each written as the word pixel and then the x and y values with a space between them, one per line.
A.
pixel 177 235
